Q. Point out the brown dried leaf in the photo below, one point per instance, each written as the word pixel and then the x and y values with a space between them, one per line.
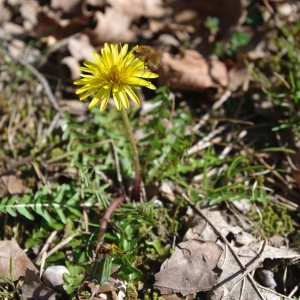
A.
pixel 28 11
pixel 11 184
pixel 107 290
pixel 239 76
pixel 227 11
pixel 9 30
pixel 250 251
pixel 108 30
pixel 228 285
pixel 5 14
pixel 33 288
pixel 138 8
pixel 80 48
pixel 68 7
pixel 175 297
pixel 49 24
pixel 69 70
pixel 192 72
pixel 190 269
pixel 11 252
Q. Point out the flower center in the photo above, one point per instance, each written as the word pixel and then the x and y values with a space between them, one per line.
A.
pixel 115 74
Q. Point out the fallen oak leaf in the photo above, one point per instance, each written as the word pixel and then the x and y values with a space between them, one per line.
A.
pixel 192 72
pixel 108 30
pixel 11 184
pixel 34 288
pixel 13 261
pixel 191 268
pixel 135 9
pixel 67 7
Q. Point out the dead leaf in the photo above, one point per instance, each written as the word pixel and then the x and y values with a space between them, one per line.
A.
pixel 167 190
pixel 227 11
pixel 239 76
pixel 192 72
pixel 69 69
pixel 11 184
pixel 68 7
pixel 137 8
pixel 5 14
pixel 108 30
pixel 33 288
pixel 250 251
pixel 11 252
pixel 277 241
pixel 28 11
pixel 175 297
pixel 228 285
pixel 49 24
pixel 191 268
pixel 107 290
pixel 288 10
pixel 9 30
pixel 80 48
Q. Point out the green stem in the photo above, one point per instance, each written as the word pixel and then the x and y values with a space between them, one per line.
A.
pixel 136 160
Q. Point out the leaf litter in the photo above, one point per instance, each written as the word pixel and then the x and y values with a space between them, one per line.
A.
pixel 203 262
pixel 191 268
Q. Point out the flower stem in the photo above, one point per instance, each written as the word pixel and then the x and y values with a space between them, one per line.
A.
pixel 136 160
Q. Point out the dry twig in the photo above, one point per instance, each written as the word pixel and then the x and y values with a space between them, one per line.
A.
pixel 104 220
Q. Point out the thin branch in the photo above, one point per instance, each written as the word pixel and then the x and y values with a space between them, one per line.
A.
pixel 61 244
pixel 105 219
pixel 49 240
pixel 254 264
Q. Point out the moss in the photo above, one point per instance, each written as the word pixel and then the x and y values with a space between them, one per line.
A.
pixel 131 292
pixel 152 295
pixel 275 219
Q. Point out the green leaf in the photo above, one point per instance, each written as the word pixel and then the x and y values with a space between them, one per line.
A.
pixel 61 215
pixel 102 269
pixel 3 204
pixel 42 210
pixel 10 206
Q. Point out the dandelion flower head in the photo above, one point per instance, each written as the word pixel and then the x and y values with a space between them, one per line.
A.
pixel 115 72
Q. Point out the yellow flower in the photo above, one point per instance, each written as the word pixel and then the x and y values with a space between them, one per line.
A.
pixel 117 72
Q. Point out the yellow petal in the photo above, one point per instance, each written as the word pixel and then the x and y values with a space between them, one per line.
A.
pixel 132 94
pixel 105 99
pixel 124 98
pixel 146 74
pixel 117 100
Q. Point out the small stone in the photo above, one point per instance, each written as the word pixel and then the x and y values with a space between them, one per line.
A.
pixel 53 277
